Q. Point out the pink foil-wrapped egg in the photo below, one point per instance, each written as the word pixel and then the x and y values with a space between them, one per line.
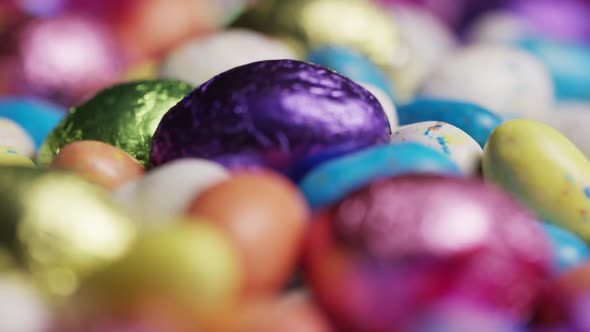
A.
pixel 387 251
pixel 66 59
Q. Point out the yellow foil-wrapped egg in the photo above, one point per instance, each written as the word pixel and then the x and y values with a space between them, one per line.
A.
pixel 59 227
pixel 358 24
pixel 10 157
pixel 187 267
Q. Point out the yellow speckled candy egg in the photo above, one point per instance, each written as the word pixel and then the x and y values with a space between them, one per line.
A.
pixel 10 157
pixel 544 170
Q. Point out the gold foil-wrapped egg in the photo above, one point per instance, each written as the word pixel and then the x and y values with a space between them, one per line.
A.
pixel 125 116
pixel 358 24
pixel 59 227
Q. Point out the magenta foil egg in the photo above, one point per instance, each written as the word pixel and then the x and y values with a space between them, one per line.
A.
pixel 271 114
pixel 389 250
pixel 67 59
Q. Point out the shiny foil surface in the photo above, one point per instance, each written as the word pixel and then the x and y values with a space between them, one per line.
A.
pixel 125 116
pixel 409 241
pixel 67 59
pixel 275 112
pixel 59 227
pixel 358 24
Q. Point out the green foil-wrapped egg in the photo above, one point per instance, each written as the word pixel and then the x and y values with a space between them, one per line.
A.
pixel 358 24
pixel 124 115
pixel 59 227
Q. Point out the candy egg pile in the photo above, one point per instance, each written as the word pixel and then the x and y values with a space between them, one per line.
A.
pixel 294 166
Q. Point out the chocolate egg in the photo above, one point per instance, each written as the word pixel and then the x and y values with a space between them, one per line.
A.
pixel 266 216
pixel 191 267
pixel 505 80
pixel 14 136
pixel 124 116
pixel 198 60
pixel 165 192
pixel 80 59
pixel 314 23
pixel 60 227
pixel 38 117
pixel 98 162
pixel 387 251
pixel 296 109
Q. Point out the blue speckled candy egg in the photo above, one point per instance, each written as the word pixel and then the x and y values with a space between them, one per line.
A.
pixel 568 63
pixel 36 116
pixel 475 120
pixel 333 180
pixel 276 112
pixel 569 251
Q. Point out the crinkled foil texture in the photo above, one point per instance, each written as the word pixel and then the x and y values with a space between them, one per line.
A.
pixel 270 113
pixel 125 116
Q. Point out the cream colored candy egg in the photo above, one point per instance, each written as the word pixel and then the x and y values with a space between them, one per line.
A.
pixel 14 136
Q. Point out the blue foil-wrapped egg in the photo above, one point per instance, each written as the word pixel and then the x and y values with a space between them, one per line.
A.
pixel 475 120
pixel 275 112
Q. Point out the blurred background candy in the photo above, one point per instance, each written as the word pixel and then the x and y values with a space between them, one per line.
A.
pixel 124 115
pixel 198 60
pixel 502 79
pixel 165 192
pixel 98 162
pixel 59 227
pixel 38 117
pixel 267 219
pixel 14 136
pixel 569 251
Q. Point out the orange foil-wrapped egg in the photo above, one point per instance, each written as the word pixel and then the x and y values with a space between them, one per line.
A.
pixel 266 216
pixel 99 163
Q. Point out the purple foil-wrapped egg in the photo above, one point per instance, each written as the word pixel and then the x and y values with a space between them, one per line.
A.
pixel 67 59
pixel 272 112
pixel 384 253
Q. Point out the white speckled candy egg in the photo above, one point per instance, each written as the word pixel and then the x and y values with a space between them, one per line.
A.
pixel 22 308
pixel 572 119
pixel 425 40
pixel 200 59
pixel 502 79
pixel 446 138
pixel 14 136
pixel 386 102
pixel 165 192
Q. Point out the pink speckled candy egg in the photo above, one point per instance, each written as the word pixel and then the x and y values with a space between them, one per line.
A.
pixel 390 249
